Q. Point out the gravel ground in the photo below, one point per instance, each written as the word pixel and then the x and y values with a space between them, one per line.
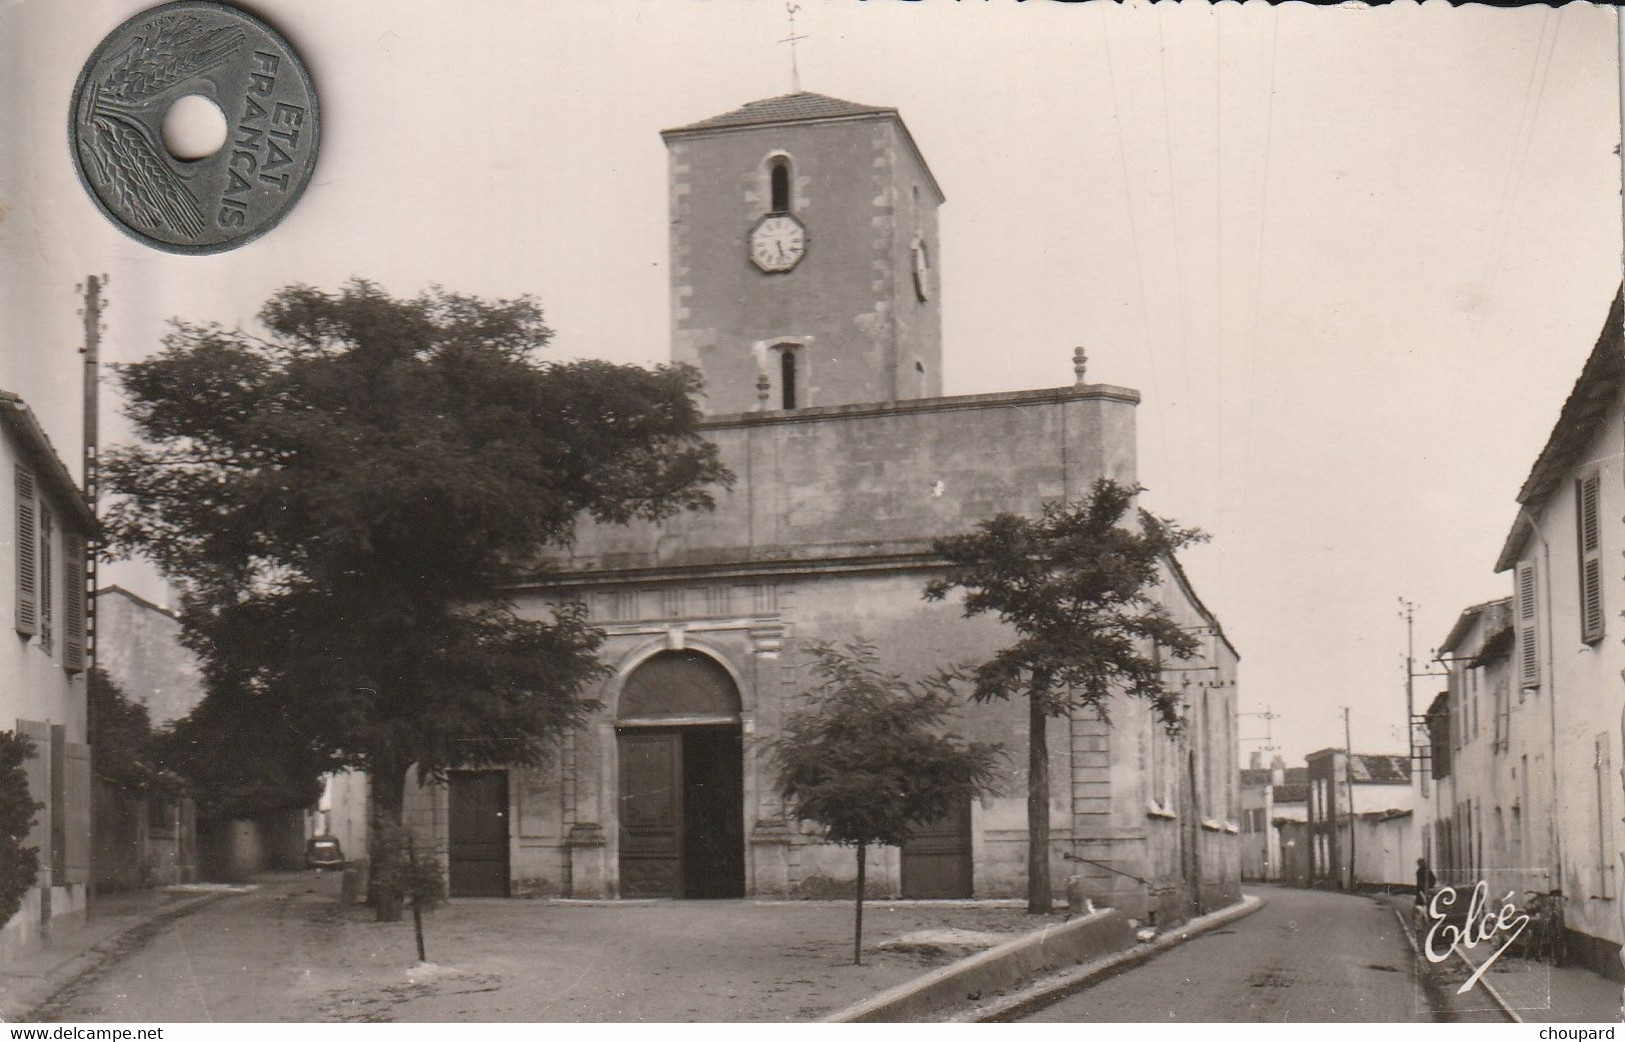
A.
pixel 290 952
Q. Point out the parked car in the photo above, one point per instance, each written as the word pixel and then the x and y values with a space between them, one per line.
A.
pixel 323 852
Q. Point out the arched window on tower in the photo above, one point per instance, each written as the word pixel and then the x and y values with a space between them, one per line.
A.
pixel 787 377
pixel 779 184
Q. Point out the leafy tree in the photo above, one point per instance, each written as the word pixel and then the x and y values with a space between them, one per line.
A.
pixel 19 865
pixel 344 500
pixel 127 749
pixel 864 758
pixel 241 757
pixel 1074 583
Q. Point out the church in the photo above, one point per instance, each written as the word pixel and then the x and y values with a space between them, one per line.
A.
pixel 804 260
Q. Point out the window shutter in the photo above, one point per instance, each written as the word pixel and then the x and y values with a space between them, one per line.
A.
pixel 76 812
pixel 73 572
pixel 27 555
pixel 1528 637
pixel 1589 541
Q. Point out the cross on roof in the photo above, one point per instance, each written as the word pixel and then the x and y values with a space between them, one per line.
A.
pixel 795 73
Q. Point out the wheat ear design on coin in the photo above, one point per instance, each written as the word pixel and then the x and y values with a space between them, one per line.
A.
pixel 177 48
pixel 127 159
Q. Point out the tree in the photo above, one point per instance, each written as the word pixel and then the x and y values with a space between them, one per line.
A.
pixel 127 749
pixel 344 500
pixel 19 865
pixel 1074 583
pixel 241 758
pixel 864 758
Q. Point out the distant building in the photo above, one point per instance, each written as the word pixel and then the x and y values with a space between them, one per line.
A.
pixel 45 522
pixel 1289 817
pixel 1271 797
pixel 143 839
pixel 1360 809
pixel 141 651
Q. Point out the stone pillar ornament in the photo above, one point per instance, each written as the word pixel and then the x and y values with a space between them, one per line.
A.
pixel 763 388
pixel 1079 362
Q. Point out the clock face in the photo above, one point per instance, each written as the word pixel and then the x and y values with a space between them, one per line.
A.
pixel 778 242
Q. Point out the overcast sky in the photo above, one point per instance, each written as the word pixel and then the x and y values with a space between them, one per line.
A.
pixel 1353 259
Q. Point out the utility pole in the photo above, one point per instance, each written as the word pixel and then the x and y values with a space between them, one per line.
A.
pixel 92 350
pixel 1348 779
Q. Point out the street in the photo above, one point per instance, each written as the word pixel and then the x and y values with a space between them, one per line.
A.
pixel 1308 955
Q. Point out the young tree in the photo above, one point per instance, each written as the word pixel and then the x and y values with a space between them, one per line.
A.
pixel 1074 583
pixel 864 758
pixel 343 501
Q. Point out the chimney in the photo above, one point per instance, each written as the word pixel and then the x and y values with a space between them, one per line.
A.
pixel 1256 763
pixel 1277 770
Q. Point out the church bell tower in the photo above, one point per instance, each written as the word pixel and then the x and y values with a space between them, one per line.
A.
pixel 804 256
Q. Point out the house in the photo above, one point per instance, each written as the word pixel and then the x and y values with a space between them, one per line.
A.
pixel 1259 852
pixel 1490 769
pixel 1565 555
pixel 46 524
pixel 1360 811
pixel 1271 798
pixel 1289 817
pixel 804 258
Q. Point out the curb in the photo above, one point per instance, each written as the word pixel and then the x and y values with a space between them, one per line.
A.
pixel 1051 989
pixel 1410 938
pixel 25 995
pixel 1006 966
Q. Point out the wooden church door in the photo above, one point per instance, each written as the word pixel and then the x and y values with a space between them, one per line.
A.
pixel 651 814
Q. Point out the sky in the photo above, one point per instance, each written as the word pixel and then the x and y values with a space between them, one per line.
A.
pixel 1353 258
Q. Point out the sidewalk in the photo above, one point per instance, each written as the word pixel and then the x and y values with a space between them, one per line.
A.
pixel 1537 992
pixel 114 920
pixel 1541 993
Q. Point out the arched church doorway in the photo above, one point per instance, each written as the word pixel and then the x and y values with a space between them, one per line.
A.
pixel 682 772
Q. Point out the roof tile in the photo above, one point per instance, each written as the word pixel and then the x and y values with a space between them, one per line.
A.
pixel 786 108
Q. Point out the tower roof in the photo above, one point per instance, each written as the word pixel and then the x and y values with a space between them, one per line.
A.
pixel 803 106
pixel 786 108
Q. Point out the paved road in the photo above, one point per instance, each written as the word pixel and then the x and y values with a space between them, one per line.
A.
pixel 1306 956
pixel 245 957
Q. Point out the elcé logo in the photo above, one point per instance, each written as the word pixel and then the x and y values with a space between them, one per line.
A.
pixel 1483 926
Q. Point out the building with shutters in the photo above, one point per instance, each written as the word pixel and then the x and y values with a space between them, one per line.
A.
pixel 1482 791
pixel 1565 555
pixel 1360 817
pixel 805 286
pixel 1270 797
pixel 42 695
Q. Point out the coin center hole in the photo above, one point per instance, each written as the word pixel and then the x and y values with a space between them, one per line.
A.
pixel 194 128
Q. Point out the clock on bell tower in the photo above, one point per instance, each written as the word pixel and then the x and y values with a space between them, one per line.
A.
pixel 804 256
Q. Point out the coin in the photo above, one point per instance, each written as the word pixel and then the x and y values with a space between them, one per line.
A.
pixel 235 61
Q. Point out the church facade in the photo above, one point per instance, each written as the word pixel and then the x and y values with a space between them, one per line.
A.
pixel 804 253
